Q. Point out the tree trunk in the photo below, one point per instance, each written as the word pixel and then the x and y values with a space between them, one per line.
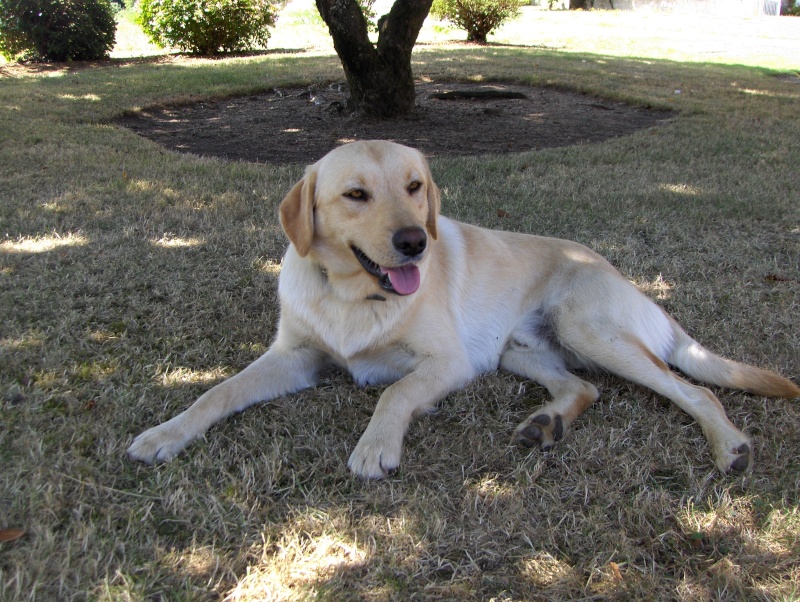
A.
pixel 380 78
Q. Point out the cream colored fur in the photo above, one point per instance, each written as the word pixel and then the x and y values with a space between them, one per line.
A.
pixel 538 307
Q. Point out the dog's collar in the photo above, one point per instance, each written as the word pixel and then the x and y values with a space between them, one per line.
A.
pixel 374 297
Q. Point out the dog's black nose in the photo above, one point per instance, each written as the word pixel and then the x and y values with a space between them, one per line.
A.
pixel 410 241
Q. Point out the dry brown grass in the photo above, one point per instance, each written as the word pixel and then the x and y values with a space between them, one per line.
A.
pixel 132 279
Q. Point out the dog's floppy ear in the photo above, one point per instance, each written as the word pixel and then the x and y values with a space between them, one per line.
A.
pixel 297 213
pixel 434 206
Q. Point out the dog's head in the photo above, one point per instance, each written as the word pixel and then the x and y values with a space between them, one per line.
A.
pixel 366 210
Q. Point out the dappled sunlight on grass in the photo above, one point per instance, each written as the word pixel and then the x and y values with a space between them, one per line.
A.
pixel 290 567
pixel 54 206
pixel 29 342
pixel 169 241
pixel 149 186
pixel 544 570
pixel 490 490
pixel 164 195
pixel 94 371
pixel 43 244
pixel 658 288
pixel 683 189
pixel 269 266
pixel 33 70
pixel 171 376
pixel 792 91
pixel 198 562
pixel 91 97
pixel 771 93
pixel 105 336
pixel 57 72
pixel 727 537
pixel 775 533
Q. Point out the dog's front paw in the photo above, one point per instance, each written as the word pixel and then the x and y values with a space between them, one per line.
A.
pixel 540 429
pixel 158 444
pixel 375 457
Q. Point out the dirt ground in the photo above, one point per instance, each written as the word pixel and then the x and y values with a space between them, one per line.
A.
pixel 299 125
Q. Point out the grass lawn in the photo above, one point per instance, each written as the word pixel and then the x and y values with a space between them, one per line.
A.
pixel 133 278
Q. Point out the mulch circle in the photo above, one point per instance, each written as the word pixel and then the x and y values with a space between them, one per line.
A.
pixel 299 125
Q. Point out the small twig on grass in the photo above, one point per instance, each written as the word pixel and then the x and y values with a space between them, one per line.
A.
pixel 107 488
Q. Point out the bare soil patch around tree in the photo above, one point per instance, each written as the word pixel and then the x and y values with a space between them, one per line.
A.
pixel 299 125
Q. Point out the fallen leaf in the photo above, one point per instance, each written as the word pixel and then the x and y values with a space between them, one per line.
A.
pixel 11 534
pixel 776 278
pixel 501 213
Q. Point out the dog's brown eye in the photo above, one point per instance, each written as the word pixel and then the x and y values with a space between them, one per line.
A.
pixel 414 186
pixel 356 194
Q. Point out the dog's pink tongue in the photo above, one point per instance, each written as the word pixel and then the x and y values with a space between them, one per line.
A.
pixel 405 279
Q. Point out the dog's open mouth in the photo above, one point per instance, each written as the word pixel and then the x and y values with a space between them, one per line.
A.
pixel 401 280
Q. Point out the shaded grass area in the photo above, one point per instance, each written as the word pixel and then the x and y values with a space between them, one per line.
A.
pixel 133 279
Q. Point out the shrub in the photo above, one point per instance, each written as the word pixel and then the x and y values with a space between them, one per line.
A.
pixel 208 26
pixel 478 17
pixel 56 30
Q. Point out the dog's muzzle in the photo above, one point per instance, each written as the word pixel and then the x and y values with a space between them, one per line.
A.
pixel 400 280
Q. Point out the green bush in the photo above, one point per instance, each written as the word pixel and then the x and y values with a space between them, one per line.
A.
pixel 477 17
pixel 208 26
pixel 56 30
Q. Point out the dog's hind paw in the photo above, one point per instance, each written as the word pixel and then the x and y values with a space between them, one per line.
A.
pixel 743 459
pixel 540 429
pixel 737 460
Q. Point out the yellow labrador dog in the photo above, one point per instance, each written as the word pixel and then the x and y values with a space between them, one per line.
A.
pixel 376 281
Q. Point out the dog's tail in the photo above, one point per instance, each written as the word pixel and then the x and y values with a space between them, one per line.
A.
pixel 693 359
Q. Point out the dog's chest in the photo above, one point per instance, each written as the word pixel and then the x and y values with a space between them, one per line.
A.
pixel 342 327
pixel 350 331
pixel 362 342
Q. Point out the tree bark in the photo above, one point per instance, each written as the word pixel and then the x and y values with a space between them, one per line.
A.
pixel 379 75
